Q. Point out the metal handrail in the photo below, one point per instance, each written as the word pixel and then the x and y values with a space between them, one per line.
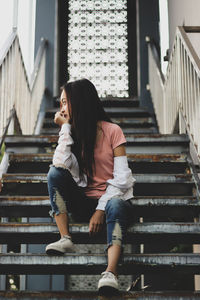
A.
pixel 16 90
pixel 177 96
pixel 6 47
pixel 40 52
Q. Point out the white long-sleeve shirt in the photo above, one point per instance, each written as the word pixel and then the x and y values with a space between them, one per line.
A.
pixel 120 186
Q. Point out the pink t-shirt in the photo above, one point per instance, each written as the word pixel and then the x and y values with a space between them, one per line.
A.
pixel 112 136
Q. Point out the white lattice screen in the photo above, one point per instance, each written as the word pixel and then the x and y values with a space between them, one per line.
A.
pixel 97 44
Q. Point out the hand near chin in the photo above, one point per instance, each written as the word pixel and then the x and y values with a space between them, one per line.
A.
pixel 60 119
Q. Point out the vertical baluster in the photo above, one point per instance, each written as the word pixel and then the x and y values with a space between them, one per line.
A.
pixel 181 86
pixel 187 87
pixel 1 104
pixel 2 95
pixel 17 85
pixel 6 90
pixel 195 108
pixel 173 96
pixel 198 115
pixel 191 101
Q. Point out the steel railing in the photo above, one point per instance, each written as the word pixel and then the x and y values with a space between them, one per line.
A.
pixel 176 97
pixel 16 91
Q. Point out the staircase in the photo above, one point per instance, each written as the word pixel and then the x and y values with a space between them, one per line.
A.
pixel 159 242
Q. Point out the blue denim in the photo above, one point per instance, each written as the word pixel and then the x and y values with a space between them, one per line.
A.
pixel 117 220
pixel 67 196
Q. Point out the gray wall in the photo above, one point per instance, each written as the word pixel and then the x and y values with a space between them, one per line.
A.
pixel 184 12
pixel 45 26
pixel 148 17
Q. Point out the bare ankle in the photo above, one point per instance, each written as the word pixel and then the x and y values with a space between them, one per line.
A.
pixel 112 271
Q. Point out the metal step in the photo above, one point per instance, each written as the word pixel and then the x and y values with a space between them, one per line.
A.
pixel 128 130
pixel 146 184
pixel 16 263
pixel 115 102
pixel 82 295
pixel 140 122
pixel 134 123
pixel 142 130
pixel 137 138
pixel 120 102
pixel 112 112
pixel 30 140
pixel 39 206
pixel 140 178
pixel 138 143
pixel 44 233
pixel 134 112
pixel 156 144
pixel 145 163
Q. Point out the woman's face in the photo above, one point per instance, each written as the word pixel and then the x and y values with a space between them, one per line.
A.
pixel 64 107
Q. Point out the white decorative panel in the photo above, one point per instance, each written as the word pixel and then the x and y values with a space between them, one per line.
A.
pixel 98 46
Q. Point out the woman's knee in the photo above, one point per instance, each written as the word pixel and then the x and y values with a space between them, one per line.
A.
pixel 115 205
pixel 58 176
pixel 54 174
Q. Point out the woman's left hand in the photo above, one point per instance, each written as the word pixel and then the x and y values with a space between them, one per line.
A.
pixel 96 221
pixel 59 119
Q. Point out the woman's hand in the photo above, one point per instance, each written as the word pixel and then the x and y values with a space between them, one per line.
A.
pixel 60 119
pixel 96 221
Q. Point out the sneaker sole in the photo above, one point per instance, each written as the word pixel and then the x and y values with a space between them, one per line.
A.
pixel 54 252
pixel 108 291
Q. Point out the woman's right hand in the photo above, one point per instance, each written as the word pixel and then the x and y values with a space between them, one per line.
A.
pixel 59 119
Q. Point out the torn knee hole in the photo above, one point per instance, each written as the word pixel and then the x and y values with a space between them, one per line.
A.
pixel 60 202
pixel 117 235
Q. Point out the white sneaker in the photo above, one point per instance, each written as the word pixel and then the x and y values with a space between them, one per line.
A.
pixel 108 283
pixel 60 247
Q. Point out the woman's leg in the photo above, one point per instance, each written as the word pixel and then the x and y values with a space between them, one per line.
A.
pixel 66 196
pixel 56 179
pixel 114 253
pixel 117 220
pixel 63 224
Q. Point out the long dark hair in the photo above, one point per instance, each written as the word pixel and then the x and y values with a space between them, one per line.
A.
pixel 85 111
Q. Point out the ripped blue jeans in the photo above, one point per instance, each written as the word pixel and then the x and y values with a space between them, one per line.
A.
pixel 67 196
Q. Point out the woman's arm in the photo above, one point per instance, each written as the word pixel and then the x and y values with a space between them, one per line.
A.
pixel 63 157
pixel 120 185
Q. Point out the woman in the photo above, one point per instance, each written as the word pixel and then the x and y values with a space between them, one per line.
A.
pixel 90 177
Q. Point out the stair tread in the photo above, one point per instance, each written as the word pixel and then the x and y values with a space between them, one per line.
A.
pixel 93 262
pixel 110 98
pixel 146 227
pixel 134 137
pixel 140 121
pixel 136 201
pixel 85 295
pixel 126 130
pixel 39 157
pixel 157 138
pixel 154 136
pixel 111 109
pixel 140 178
